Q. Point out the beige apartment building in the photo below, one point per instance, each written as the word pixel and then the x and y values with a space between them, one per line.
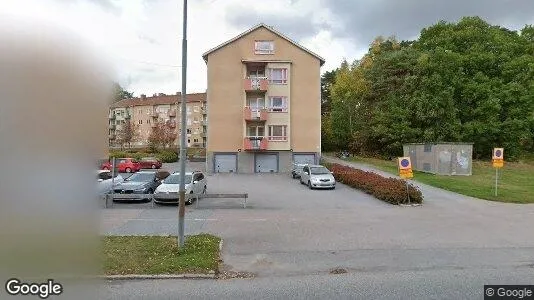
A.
pixel 147 111
pixel 264 114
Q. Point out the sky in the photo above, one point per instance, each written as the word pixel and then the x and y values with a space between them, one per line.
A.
pixel 140 40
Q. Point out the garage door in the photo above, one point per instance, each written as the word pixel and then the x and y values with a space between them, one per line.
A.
pixel 304 158
pixel 266 163
pixel 225 163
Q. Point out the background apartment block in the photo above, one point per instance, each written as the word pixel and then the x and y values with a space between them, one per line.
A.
pixel 147 111
pixel 265 112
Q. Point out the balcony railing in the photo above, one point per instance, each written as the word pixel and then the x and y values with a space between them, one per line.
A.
pixel 255 114
pixel 112 136
pixel 154 114
pixel 255 143
pixel 112 126
pixel 256 84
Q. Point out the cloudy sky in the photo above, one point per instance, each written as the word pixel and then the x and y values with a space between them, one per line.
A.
pixel 141 39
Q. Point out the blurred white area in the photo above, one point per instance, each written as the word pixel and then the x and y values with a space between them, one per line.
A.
pixel 54 94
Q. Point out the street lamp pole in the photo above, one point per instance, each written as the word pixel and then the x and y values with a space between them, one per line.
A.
pixel 183 145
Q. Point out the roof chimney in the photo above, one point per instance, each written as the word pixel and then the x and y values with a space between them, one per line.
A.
pixel 143 96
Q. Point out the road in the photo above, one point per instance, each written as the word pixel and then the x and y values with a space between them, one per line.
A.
pixel 415 284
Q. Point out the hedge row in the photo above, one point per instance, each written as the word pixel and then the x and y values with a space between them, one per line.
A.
pixel 391 190
pixel 166 156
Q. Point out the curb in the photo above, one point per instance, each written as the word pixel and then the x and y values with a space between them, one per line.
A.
pixel 145 277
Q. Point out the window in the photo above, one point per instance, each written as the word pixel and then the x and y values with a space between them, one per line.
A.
pixel 256 103
pixel 255 131
pixel 188 141
pixel 196 119
pixel 278 76
pixel 140 122
pixel 278 104
pixel 189 122
pixel 264 47
pixel 256 72
pixel 195 140
pixel 148 121
pixel 196 109
pixel 189 131
pixel 428 148
pixel 278 133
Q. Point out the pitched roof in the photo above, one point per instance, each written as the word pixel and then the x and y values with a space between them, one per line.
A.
pixel 271 29
pixel 159 100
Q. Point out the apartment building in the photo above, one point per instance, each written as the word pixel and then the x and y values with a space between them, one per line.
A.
pixel 264 92
pixel 145 112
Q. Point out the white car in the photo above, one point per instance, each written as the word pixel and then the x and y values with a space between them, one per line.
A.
pixel 104 181
pixel 317 177
pixel 168 191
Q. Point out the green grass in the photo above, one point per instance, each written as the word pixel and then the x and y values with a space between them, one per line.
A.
pixel 147 255
pixel 516 180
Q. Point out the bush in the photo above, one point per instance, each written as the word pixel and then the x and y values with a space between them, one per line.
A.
pixel 391 190
pixel 167 156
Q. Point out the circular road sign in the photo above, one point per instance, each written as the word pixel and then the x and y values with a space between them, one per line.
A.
pixel 498 153
pixel 405 163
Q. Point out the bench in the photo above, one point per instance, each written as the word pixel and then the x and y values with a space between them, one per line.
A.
pixel 219 196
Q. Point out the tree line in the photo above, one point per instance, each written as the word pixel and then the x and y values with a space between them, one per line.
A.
pixel 459 82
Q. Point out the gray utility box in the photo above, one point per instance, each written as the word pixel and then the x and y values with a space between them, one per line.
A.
pixel 441 158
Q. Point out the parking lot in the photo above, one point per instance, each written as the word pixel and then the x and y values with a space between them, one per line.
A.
pixel 289 229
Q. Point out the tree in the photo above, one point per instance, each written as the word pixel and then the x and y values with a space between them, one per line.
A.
pixel 327 80
pixel 128 133
pixel 163 134
pixel 466 82
pixel 119 93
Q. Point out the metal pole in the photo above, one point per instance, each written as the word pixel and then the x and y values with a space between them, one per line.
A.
pixel 183 145
pixel 112 182
pixel 496 180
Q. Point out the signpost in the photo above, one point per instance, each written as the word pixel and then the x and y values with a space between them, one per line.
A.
pixel 405 172
pixel 498 162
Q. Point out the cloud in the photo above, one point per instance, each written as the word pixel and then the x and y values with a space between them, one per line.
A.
pixel 290 20
pixel 108 5
pixel 363 20
pixel 296 27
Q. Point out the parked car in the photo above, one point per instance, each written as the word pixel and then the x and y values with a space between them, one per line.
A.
pixel 124 165
pixel 317 176
pixel 195 184
pixel 142 182
pixel 150 163
pixel 297 169
pixel 105 181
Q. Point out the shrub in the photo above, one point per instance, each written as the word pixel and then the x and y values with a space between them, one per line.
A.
pixel 391 190
pixel 167 156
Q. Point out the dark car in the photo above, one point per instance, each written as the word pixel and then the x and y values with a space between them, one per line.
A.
pixel 143 182
pixel 150 163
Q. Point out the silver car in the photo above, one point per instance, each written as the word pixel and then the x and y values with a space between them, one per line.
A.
pixel 317 177
pixel 297 169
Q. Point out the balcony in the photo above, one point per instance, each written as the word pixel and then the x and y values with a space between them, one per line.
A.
pixel 258 84
pixel 112 136
pixel 172 113
pixel 112 126
pixel 154 125
pixel 154 114
pixel 255 114
pixel 112 116
pixel 203 134
pixel 255 143
pixel 127 116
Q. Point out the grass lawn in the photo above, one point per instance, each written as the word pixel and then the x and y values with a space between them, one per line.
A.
pixel 148 255
pixel 516 180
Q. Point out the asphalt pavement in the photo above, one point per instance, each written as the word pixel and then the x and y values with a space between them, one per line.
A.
pixel 291 237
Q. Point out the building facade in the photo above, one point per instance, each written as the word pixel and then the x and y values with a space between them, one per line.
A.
pixel 264 92
pixel 145 112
